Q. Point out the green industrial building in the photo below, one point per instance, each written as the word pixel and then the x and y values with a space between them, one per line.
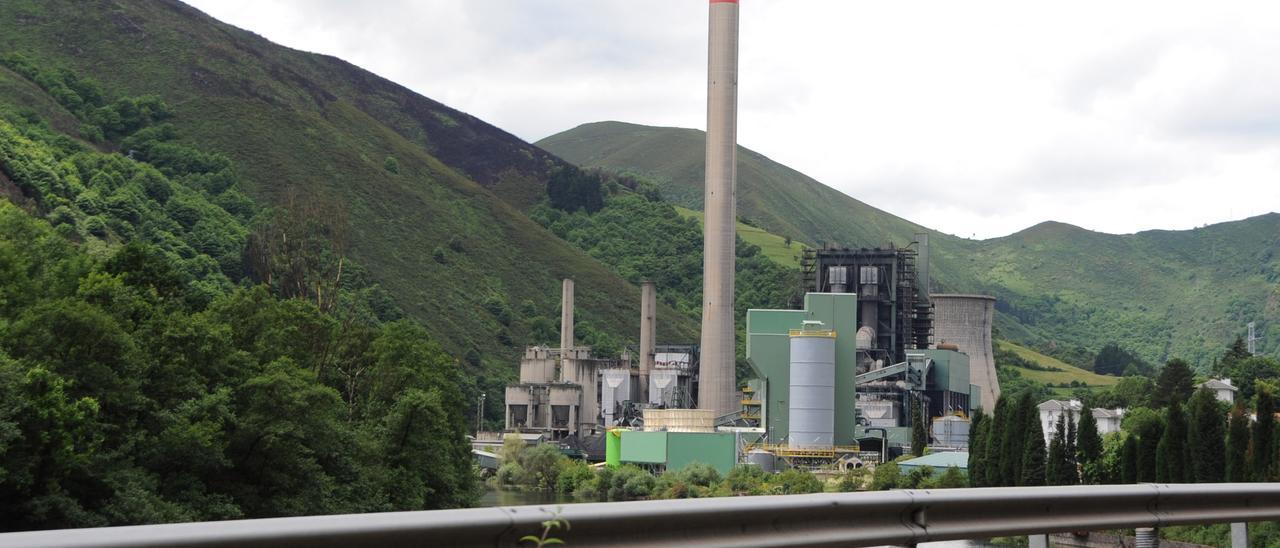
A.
pixel 769 352
pixel 675 450
pixel 936 379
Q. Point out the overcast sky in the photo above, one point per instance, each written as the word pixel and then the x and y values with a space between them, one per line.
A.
pixel 974 118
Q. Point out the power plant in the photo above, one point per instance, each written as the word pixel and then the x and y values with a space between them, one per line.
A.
pixel 836 379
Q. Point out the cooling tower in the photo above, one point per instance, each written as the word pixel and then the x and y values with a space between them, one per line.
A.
pixel 717 383
pixel 965 321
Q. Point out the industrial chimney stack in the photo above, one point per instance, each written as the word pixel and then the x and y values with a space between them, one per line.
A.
pixel 566 316
pixel 716 370
pixel 648 315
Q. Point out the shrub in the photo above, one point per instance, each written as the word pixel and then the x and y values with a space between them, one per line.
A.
pixel 794 482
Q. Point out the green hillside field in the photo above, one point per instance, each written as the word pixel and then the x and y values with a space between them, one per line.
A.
pixel 1065 372
pixel 772 245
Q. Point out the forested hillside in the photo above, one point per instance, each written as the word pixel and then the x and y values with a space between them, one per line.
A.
pixel 1061 289
pixel 428 198
pixel 146 376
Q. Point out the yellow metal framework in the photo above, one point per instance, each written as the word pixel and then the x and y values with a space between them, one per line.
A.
pixel 831 334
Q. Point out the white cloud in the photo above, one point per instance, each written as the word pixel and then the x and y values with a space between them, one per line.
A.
pixel 977 119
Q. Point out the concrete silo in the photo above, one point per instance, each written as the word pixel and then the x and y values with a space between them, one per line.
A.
pixel 965 321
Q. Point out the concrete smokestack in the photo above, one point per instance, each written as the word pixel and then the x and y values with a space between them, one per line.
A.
pixel 716 372
pixel 648 324
pixel 566 315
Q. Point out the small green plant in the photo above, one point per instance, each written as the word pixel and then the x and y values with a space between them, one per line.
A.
pixel 546 539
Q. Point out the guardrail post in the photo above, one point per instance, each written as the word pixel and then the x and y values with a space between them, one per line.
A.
pixel 1239 535
pixel 1038 541
pixel 1146 537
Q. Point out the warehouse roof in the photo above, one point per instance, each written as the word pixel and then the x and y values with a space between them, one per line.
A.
pixel 958 459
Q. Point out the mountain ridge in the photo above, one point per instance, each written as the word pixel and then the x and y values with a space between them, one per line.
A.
pixel 1061 289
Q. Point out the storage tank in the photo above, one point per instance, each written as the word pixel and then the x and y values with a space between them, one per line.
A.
pixel 763 460
pixel 812 395
pixel 951 431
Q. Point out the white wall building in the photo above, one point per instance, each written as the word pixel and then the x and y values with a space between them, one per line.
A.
pixel 1222 389
pixel 1108 419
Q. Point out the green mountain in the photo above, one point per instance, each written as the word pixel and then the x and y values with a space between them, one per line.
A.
pixel 1063 290
pixel 430 198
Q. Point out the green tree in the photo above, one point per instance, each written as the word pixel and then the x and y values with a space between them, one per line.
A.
pixel 1237 464
pixel 1206 438
pixel 919 437
pixel 1147 426
pixel 1033 449
pixel 885 476
pixel 1089 449
pixel 1112 359
pixel 1262 442
pixel 1013 440
pixel 1129 460
pixel 993 443
pixel 1060 468
pixel 1175 383
pixel 979 428
pixel 1171 452
pixel 1237 352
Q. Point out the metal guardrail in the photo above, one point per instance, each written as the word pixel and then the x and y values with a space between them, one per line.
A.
pixel 828 519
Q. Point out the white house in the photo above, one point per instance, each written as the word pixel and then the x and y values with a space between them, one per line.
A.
pixel 1221 389
pixel 1108 419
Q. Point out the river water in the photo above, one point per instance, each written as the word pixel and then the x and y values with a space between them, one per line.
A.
pixel 504 497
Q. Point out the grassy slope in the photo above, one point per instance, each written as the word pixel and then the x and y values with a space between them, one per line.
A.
pixel 1067 371
pixel 292 120
pixel 1160 293
pixel 772 245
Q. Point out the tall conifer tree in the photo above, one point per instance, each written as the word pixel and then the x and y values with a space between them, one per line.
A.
pixel 993 473
pixel 1206 438
pixel 1148 441
pixel 1089 448
pixel 1032 471
pixel 1262 443
pixel 1171 462
pixel 978 427
pixel 919 437
pixel 1129 459
pixel 1057 463
pixel 1237 465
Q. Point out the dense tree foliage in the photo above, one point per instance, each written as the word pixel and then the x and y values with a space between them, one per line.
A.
pixel 1175 383
pixel 1172 451
pixel 644 238
pixel 980 427
pixel 1237 463
pixel 1112 359
pixel 125 403
pixel 102 119
pixel 919 436
pixel 1206 438
pixel 145 378
pixel 1032 471
pixel 1262 450
pixel 1089 450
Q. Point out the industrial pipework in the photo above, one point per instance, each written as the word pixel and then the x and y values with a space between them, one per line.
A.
pixel 716 372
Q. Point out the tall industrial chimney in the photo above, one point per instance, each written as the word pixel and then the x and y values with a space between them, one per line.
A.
pixel 716 370
pixel 566 315
pixel 648 315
